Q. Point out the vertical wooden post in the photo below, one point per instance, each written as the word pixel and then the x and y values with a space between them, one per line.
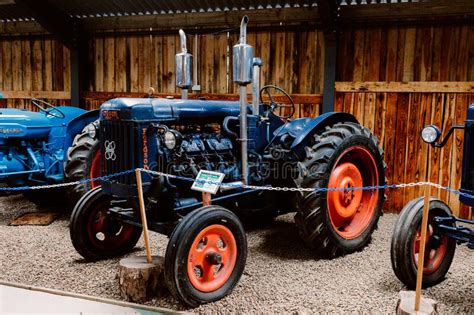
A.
pixel 143 215
pixel 421 255
pixel 206 199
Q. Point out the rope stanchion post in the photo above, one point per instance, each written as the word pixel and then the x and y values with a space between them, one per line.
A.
pixel 143 215
pixel 421 255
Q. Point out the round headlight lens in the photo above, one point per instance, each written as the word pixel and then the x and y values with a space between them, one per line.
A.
pixel 430 134
pixel 170 140
pixel 91 131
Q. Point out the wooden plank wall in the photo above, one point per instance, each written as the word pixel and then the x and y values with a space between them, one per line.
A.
pixel 407 54
pixel 292 60
pixel 429 53
pixel 33 65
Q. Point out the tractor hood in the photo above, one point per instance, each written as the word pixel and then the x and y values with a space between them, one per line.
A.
pixel 168 110
pixel 23 123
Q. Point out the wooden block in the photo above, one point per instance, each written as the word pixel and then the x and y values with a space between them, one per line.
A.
pixel 140 281
pixel 406 304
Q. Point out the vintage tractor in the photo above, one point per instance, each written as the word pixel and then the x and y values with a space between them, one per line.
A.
pixel 444 230
pixel 54 145
pixel 250 144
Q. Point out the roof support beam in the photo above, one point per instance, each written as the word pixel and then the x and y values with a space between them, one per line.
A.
pixel 329 14
pixel 53 20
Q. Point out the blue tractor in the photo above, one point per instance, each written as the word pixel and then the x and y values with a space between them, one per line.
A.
pixel 51 146
pixel 249 144
pixel 444 230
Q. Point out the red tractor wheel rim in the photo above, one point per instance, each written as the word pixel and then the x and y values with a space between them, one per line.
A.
pixel 351 211
pixel 433 256
pixel 95 170
pixel 105 233
pixel 212 258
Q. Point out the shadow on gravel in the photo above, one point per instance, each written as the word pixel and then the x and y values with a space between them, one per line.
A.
pixel 281 240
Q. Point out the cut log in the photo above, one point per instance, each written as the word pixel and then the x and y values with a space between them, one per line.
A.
pixel 406 305
pixel 140 281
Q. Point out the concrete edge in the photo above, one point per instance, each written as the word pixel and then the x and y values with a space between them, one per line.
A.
pixel 92 298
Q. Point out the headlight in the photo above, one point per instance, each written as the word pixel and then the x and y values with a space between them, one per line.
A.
pixel 91 131
pixel 170 140
pixel 430 134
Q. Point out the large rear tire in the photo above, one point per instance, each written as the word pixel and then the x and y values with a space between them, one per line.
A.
pixel 94 234
pixel 206 255
pixel 83 162
pixel 335 223
pixel 404 252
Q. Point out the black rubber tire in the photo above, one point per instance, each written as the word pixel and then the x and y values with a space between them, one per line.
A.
pixel 314 170
pixel 79 229
pixel 79 160
pixel 178 248
pixel 403 262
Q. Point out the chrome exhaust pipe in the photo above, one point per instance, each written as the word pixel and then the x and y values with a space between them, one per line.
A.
pixel 243 72
pixel 184 66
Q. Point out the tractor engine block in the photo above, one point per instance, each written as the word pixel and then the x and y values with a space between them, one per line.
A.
pixel 203 150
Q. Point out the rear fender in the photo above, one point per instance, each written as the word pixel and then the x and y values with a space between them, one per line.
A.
pixel 76 125
pixel 317 125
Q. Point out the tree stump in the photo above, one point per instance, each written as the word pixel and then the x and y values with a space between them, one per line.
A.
pixel 406 304
pixel 140 281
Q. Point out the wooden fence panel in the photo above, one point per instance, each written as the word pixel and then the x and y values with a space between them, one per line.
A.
pixel 428 53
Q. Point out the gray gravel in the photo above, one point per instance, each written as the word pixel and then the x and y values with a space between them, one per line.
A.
pixel 281 275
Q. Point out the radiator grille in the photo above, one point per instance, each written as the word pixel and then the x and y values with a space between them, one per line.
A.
pixel 119 148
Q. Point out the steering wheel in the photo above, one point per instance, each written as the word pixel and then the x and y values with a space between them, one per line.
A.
pixel 48 108
pixel 275 105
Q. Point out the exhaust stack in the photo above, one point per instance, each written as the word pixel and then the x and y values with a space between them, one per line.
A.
pixel 184 66
pixel 243 72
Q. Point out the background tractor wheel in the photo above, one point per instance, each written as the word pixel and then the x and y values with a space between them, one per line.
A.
pixel 94 234
pixel 206 255
pixel 405 247
pixel 83 162
pixel 335 223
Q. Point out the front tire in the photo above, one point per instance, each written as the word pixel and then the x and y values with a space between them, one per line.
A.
pixel 206 255
pixel 405 245
pixel 335 223
pixel 94 234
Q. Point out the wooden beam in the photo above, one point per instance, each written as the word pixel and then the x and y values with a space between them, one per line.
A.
pixel 414 12
pixel 54 95
pixel 205 20
pixel 55 21
pixel 434 13
pixel 406 87
pixel 297 98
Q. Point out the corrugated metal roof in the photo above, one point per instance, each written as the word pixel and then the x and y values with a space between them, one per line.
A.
pixel 106 8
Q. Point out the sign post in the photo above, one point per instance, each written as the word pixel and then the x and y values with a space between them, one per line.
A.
pixel 208 183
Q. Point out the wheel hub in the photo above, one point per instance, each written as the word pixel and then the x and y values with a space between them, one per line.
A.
pixel 347 201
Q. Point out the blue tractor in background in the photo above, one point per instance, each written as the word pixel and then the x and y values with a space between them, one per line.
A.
pixel 248 144
pixel 51 146
pixel 444 230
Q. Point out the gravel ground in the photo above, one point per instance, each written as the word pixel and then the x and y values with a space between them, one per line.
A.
pixel 281 275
